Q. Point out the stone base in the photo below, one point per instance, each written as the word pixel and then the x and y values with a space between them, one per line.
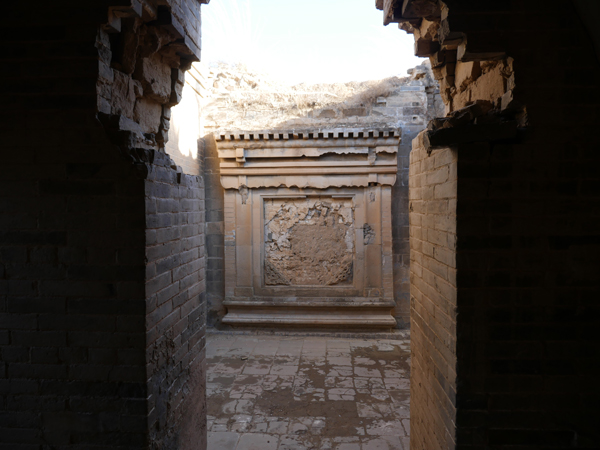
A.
pixel 346 313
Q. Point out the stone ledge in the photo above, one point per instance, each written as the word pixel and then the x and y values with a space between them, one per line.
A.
pixel 313 302
pixel 399 334
pixel 353 313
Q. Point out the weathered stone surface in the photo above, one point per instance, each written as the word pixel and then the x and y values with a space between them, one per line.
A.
pixel 240 99
pixel 155 77
pixel 123 94
pixel 470 133
pixel 309 241
pixel 148 114
pixel 308 392
pixel 466 73
pixel 295 253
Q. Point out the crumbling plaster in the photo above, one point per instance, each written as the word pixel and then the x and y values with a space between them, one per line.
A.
pixel 309 241
pixel 238 99
pixel 308 238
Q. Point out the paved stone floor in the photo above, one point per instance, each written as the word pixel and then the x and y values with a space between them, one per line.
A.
pixel 292 393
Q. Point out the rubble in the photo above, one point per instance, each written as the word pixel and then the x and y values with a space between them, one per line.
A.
pixel 240 99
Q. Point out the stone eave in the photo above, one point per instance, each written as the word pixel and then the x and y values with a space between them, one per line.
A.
pixel 275 135
pixel 317 159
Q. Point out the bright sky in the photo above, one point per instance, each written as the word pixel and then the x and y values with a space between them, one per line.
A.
pixel 312 41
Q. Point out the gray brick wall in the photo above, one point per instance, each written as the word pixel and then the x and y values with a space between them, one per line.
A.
pixel 175 306
pixel 527 251
pixel 215 232
pixel 77 284
pixel 432 206
pixel 71 291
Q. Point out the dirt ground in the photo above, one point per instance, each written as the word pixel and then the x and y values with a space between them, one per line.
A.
pixel 288 393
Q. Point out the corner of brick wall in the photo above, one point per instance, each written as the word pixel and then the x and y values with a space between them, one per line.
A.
pixel 215 232
pixel 175 306
pixel 432 215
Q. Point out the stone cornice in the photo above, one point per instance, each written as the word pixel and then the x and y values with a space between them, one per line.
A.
pixel 316 159
pixel 270 135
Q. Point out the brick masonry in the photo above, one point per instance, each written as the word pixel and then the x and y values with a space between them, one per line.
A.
pixel 175 306
pixel 72 290
pixel 527 250
pixel 86 350
pixel 215 234
pixel 432 206
pixel 73 285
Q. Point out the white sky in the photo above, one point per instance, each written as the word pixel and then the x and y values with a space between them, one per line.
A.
pixel 313 41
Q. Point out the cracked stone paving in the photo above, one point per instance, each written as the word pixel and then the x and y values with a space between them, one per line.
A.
pixel 298 392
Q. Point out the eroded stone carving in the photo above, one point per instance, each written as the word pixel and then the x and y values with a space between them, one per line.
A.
pixel 309 241
pixel 368 234
pixel 298 250
pixel 243 190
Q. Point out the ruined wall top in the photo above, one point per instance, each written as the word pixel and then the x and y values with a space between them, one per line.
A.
pixel 242 99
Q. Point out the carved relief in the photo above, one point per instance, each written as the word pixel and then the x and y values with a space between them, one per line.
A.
pixel 307 227
pixel 309 241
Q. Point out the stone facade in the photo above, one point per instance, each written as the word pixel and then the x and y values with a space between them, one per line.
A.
pixel 308 229
pixel 74 302
pixel 238 98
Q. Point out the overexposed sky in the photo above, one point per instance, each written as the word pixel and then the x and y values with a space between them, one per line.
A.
pixel 313 41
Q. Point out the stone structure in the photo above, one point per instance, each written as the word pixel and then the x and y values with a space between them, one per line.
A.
pixel 101 245
pixel 308 227
pixel 102 284
pixel 504 259
pixel 236 97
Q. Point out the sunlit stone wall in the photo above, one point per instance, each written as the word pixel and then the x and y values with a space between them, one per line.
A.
pixel 308 230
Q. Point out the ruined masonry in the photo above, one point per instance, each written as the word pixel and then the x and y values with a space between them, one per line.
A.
pixel 238 99
pixel 308 230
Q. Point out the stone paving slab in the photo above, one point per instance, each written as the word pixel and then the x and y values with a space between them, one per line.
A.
pixel 307 392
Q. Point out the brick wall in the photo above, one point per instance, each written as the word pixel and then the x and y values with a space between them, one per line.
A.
pixel 71 252
pixel 400 228
pixel 528 246
pixel 175 306
pixel 432 206
pixel 411 107
pixel 215 229
pixel 74 298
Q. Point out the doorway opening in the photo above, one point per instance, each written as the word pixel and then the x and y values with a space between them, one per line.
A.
pixel 328 388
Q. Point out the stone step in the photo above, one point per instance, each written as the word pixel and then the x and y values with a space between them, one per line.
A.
pixel 353 314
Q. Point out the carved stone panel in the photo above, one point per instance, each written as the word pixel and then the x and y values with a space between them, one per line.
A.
pixel 309 241
pixel 308 232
